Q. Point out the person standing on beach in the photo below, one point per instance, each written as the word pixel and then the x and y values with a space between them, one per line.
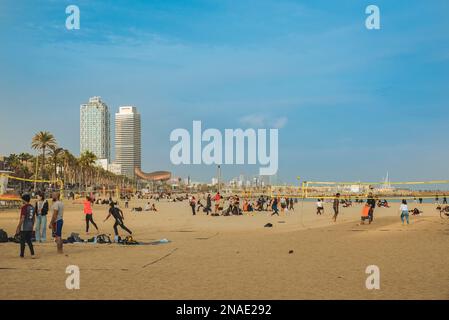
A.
pixel 336 206
pixel 193 205
pixel 404 211
pixel 208 204
pixel 57 221
pixel 89 214
pixel 274 206
pixel 41 210
pixel 319 207
pixel 25 226
pixel 372 202
pixel 290 205
pixel 118 216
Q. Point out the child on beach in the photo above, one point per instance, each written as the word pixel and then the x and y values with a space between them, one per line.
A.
pixel 404 211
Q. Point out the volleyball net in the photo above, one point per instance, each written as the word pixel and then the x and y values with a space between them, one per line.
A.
pixel 11 186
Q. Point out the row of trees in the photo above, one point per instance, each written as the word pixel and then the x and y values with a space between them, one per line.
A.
pixel 54 162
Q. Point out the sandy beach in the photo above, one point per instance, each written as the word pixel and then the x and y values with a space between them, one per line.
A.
pixel 236 257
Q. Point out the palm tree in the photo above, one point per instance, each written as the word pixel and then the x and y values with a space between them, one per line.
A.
pixel 86 161
pixel 55 154
pixel 25 157
pixel 41 141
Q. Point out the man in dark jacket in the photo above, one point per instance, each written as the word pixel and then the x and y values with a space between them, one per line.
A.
pixel 372 203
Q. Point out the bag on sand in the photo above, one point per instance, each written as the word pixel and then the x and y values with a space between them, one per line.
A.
pixel 74 237
pixel 365 211
pixel 129 241
pixel 103 238
pixel 3 236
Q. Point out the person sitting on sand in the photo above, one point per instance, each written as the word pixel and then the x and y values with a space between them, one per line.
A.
pixel 147 207
pixel 153 208
pixel 415 212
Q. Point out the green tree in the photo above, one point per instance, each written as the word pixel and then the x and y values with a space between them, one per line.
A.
pixel 43 140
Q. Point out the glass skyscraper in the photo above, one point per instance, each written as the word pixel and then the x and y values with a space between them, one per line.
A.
pixel 95 128
pixel 128 147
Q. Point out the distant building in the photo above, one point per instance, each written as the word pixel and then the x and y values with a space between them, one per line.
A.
pixel 128 149
pixel 115 168
pixel 103 163
pixel 95 128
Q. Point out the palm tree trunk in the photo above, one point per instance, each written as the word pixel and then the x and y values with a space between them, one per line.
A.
pixel 37 171
pixel 43 163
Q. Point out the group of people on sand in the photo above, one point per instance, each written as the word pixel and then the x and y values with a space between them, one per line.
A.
pixel 34 218
pixel 36 215
pixel 368 209
pixel 233 205
pixel 114 211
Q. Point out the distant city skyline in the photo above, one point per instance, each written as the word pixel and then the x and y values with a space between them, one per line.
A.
pixel 349 103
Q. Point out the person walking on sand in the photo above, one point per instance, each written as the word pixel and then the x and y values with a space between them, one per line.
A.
pixel 118 216
pixel 274 206
pixel 404 211
pixel 372 202
pixel 217 199
pixel 57 221
pixel 89 214
pixel 41 210
pixel 26 224
pixel 336 206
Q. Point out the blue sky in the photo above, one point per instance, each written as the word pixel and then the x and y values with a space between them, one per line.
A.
pixel 351 103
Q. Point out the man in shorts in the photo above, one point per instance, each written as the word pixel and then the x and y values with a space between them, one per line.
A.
pixel 25 226
pixel 57 221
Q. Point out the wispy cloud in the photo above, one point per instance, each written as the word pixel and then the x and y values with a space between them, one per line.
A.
pixel 263 121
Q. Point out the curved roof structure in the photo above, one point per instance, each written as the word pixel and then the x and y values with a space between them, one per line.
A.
pixel 153 176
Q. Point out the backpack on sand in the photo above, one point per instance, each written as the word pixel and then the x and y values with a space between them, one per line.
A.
pixel 3 236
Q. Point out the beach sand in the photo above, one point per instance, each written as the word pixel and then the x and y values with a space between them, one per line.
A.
pixel 236 257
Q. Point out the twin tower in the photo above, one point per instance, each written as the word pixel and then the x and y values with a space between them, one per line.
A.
pixel 95 136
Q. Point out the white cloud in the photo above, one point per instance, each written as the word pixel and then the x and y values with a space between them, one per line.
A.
pixel 263 121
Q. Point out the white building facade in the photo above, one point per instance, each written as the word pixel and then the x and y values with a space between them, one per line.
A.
pixel 128 148
pixel 95 128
